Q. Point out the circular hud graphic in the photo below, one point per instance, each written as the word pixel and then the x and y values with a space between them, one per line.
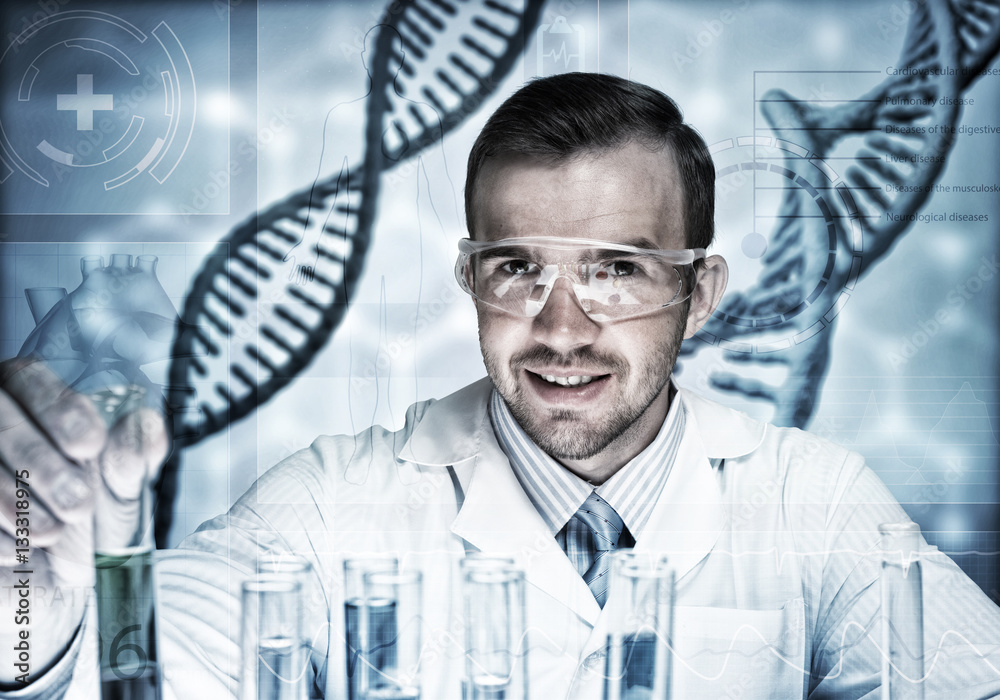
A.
pixel 792 233
pixel 88 91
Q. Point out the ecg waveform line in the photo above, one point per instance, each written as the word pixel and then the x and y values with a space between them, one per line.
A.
pixel 938 651
pixel 563 53
pixel 300 674
pixel 447 639
pixel 872 421
pixel 536 638
pixel 931 555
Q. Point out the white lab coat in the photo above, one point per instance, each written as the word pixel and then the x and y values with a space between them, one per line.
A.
pixel 772 533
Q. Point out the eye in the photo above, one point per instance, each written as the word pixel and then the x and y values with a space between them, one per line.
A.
pixel 622 268
pixel 518 267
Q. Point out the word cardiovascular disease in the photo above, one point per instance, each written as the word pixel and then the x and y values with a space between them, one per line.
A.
pixel 940 70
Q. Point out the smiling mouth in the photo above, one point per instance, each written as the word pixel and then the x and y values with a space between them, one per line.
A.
pixel 569 381
pixel 576 380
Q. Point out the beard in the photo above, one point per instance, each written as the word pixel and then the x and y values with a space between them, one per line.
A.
pixel 571 434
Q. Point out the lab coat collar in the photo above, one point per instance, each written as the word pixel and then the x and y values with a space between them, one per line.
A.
pixel 458 418
pixel 689 515
pixel 448 432
pixel 724 433
pixel 497 516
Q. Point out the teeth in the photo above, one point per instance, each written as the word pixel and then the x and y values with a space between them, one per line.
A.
pixel 567 381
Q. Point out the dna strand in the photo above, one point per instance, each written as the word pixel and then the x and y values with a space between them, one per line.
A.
pixel 257 315
pixel 947 45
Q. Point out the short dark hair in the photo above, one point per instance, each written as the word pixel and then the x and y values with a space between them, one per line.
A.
pixel 564 115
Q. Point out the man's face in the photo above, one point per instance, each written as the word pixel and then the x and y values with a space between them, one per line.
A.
pixel 630 196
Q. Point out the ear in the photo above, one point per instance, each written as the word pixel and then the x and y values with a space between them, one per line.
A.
pixel 712 279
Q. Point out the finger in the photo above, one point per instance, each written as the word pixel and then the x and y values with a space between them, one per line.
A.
pixel 8 559
pixel 137 445
pixel 23 517
pixel 58 483
pixel 69 419
pixel 136 448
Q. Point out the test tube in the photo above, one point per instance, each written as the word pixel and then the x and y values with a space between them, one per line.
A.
pixel 389 635
pixel 274 660
pixel 640 610
pixel 902 612
pixel 495 646
pixel 125 589
pixel 355 569
pixel 486 561
pixel 292 567
pixel 284 565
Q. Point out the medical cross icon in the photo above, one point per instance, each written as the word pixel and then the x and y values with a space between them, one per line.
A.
pixel 85 102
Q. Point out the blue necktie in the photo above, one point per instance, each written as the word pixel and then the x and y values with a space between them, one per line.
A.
pixel 608 533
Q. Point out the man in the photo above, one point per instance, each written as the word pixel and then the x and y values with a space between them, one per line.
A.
pixel 589 203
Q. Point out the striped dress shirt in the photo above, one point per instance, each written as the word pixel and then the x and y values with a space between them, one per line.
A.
pixel 558 493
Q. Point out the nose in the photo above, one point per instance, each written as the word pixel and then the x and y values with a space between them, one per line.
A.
pixel 562 324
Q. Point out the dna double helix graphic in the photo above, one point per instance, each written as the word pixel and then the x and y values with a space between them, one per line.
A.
pixel 786 318
pixel 256 316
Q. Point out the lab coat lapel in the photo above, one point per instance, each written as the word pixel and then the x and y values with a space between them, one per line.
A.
pixel 498 518
pixel 686 521
pixel 688 516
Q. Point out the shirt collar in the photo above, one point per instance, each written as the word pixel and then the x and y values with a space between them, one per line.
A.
pixel 557 493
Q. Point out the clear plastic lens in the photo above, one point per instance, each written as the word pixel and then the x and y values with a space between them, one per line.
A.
pixel 614 287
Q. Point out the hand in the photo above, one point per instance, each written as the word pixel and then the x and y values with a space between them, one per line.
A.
pixel 59 464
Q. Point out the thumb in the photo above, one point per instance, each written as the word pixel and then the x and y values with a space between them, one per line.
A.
pixel 134 452
pixel 136 447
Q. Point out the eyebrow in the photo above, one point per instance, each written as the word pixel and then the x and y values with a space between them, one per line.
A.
pixel 644 243
pixel 507 251
pixel 513 250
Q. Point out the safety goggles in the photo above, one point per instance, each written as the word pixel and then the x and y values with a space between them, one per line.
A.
pixel 611 281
